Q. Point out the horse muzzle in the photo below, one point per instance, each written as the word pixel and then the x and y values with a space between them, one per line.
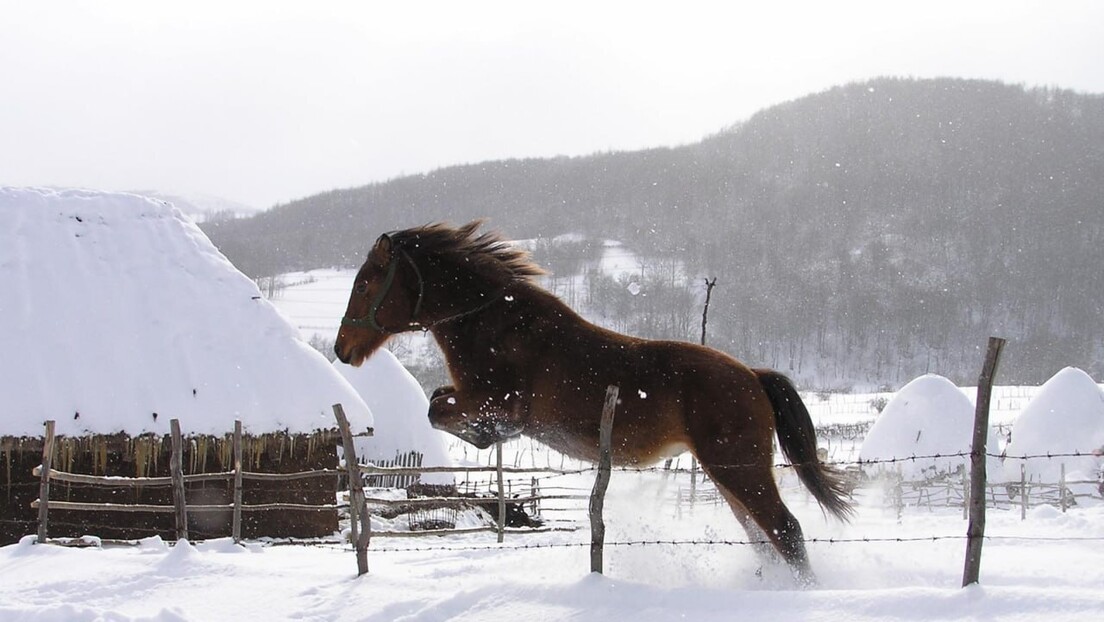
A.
pixel 346 354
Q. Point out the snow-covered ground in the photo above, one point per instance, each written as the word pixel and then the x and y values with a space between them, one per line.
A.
pixel 473 578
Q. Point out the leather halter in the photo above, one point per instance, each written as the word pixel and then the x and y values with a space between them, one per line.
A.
pixel 370 321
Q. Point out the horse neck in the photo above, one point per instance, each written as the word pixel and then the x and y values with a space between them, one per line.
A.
pixel 451 292
pixel 515 307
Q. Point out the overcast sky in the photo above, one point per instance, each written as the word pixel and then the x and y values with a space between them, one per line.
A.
pixel 263 101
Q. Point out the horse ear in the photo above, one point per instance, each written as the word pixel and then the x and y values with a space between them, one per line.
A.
pixel 384 244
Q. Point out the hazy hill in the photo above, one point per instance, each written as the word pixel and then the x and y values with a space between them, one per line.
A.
pixel 865 234
pixel 203 207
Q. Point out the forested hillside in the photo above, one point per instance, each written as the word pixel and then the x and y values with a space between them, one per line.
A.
pixel 862 235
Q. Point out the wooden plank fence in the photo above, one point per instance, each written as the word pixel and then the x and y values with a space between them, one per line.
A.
pixel 410 459
pixel 180 508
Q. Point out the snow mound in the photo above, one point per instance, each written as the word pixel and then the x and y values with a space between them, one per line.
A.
pixel 118 314
pixel 1065 416
pixel 399 407
pixel 929 416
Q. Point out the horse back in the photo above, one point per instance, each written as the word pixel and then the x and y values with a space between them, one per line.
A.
pixel 672 395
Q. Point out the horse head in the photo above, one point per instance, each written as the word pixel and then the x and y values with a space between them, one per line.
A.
pixel 386 299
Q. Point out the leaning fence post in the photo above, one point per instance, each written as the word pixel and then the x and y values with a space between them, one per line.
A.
pixel 359 522
pixel 44 481
pixel 237 481
pixel 501 493
pixel 176 466
pixel 601 482
pixel 975 532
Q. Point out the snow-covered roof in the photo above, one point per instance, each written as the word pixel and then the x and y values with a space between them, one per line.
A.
pixel 399 407
pixel 1065 416
pixel 115 307
pixel 928 416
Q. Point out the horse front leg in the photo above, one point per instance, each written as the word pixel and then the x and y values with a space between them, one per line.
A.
pixel 439 391
pixel 481 420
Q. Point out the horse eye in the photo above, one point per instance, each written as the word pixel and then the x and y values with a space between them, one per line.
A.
pixel 361 288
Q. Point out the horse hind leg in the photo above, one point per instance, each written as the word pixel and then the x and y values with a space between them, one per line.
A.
pixel 753 496
pixel 760 543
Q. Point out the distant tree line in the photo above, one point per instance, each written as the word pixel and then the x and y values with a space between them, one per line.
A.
pixel 865 235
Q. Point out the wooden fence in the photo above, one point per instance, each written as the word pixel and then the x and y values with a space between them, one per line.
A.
pixel 502 496
pixel 410 459
pixel 499 494
pixel 359 506
pixel 954 491
pixel 179 508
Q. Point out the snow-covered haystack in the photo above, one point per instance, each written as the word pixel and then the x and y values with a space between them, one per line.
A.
pixel 929 416
pixel 118 315
pixel 1065 416
pixel 399 408
pixel 116 307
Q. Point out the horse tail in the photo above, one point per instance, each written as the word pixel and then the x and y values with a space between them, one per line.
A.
pixel 797 437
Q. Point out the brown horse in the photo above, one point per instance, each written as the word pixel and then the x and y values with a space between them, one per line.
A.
pixel 522 362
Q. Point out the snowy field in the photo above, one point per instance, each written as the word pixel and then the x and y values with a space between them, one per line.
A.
pixel 1042 568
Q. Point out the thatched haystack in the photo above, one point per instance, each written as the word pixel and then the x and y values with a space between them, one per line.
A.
pixel 119 315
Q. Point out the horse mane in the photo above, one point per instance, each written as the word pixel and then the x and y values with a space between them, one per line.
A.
pixel 487 253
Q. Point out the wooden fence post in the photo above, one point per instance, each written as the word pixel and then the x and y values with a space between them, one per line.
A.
pixel 237 481
pixel 176 465
pixel 601 482
pixel 44 482
pixel 359 523
pixel 899 493
pixel 1062 489
pixel 975 532
pixel 534 492
pixel 693 481
pixel 501 493
pixel 709 285
pixel 965 494
pixel 1023 491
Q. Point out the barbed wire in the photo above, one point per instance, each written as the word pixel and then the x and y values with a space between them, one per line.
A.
pixel 860 463
pixel 623 543
pixel 831 541
pixel 713 542
pixel 833 463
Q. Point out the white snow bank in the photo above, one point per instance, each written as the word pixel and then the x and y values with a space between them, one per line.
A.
pixel 1065 416
pixel 399 408
pixel 928 416
pixel 116 307
pixel 1026 581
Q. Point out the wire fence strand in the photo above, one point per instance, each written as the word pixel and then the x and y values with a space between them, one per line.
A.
pixel 834 463
pixel 711 542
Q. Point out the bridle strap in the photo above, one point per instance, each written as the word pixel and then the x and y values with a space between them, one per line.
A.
pixel 370 321
pixel 381 294
pixel 388 280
